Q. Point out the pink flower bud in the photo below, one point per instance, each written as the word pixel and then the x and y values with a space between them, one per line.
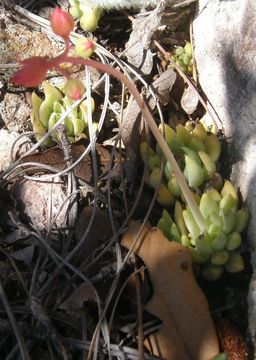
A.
pixel 32 73
pixel 85 47
pixel 62 22
pixel 74 89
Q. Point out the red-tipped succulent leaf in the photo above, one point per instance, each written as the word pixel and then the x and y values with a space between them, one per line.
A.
pixel 32 72
pixel 74 89
pixel 85 47
pixel 62 22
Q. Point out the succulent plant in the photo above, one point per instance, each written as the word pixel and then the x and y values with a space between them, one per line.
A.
pixel 196 151
pixel 87 14
pixel 221 356
pixel 183 57
pixel 218 248
pixel 84 47
pixel 46 112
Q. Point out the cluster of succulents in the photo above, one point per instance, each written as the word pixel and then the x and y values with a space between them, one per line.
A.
pixel 182 56
pixel 87 15
pixel 196 150
pixel 217 247
pixel 46 112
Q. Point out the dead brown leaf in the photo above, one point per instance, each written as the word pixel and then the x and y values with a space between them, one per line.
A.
pixel 188 331
pixel 55 158
pixel 95 242
pixel 100 230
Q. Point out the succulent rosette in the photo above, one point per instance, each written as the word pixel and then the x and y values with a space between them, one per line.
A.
pixel 197 151
pixel 47 111
pixel 218 247
pixel 183 57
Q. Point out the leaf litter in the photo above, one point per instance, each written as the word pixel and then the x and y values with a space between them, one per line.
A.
pixel 188 331
pixel 70 280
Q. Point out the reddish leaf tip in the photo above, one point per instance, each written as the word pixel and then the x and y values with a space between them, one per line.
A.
pixel 32 72
pixel 74 89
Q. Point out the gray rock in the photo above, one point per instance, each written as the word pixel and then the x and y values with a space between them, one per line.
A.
pixel 15 112
pixel 40 202
pixel 225 52
pixel 135 4
pixel 37 201
pixel 7 140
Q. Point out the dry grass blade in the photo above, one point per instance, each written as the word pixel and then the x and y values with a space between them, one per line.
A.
pixel 16 329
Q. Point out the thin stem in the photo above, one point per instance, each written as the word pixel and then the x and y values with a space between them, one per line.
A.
pixel 55 62
pixel 153 127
